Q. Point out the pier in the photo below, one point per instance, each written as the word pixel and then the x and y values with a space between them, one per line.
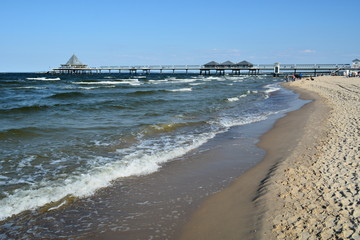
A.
pixel 74 66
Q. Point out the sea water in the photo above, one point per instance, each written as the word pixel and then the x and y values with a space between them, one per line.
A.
pixel 67 136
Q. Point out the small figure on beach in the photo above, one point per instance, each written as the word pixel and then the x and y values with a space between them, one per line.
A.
pixel 293 77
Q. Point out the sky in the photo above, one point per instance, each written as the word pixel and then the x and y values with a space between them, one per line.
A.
pixel 38 35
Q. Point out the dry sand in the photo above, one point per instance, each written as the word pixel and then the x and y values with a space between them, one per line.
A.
pixel 307 187
pixel 314 193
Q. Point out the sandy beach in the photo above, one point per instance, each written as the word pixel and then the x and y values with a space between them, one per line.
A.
pixel 314 193
pixel 307 186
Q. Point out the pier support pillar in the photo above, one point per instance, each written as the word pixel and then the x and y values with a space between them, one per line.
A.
pixel 276 69
pixel 220 72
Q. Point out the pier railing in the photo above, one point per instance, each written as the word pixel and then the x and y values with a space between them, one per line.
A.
pixel 206 69
pixel 198 67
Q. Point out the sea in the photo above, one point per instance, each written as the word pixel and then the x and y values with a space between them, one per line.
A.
pixel 83 156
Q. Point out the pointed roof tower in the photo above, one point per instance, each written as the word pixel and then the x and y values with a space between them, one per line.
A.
pixel 73 62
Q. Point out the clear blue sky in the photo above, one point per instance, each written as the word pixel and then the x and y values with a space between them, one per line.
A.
pixel 40 34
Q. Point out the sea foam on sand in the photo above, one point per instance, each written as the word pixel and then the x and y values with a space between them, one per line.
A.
pixel 314 194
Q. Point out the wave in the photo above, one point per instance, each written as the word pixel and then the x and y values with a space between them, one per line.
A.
pixel 238 121
pixel 148 92
pixel 67 95
pixel 180 90
pixel 20 132
pixel 214 78
pixel 158 81
pixel 185 80
pixel 169 127
pixel 31 87
pixel 141 160
pixel 88 88
pixel 233 99
pixel 26 109
pixel 271 88
pixel 174 80
pixel 44 79
pixel 133 82
pixel 144 92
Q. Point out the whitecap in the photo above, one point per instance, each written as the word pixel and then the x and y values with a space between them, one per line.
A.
pixel 181 90
pixel 271 88
pixel 233 99
pixel 44 79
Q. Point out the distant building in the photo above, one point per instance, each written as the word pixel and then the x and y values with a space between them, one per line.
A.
pixel 227 64
pixel 355 63
pixel 244 64
pixel 73 62
pixel 211 64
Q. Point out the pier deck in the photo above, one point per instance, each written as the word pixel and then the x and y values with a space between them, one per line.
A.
pixel 285 69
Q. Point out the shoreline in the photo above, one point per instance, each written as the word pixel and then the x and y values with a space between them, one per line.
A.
pixel 237 211
pixel 307 186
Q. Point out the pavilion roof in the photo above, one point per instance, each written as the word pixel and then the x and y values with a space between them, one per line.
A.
pixel 74 61
pixel 212 63
pixel 227 63
pixel 245 63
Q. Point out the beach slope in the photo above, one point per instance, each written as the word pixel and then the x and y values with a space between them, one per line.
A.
pixel 307 186
pixel 314 193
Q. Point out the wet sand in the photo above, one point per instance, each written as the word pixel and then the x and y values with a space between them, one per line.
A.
pixel 306 187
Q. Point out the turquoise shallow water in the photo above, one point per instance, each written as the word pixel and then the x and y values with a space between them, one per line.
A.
pixel 71 135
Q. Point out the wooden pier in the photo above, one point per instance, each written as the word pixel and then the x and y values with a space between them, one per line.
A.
pixel 284 69
pixel 74 66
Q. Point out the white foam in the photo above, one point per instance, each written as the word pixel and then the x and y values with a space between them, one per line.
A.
pixel 44 79
pixel 238 121
pixel 271 88
pixel 231 122
pixel 181 90
pixel 98 143
pixel 140 162
pixel 26 162
pixel 29 87
pixel 195 84
pixel 233 99
pixel 186 80
pixel 215 78
pixel 133 82
pixel 88 88
pixel 98 83
pixel 158 81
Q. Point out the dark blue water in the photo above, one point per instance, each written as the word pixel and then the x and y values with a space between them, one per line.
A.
pixel 69 135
